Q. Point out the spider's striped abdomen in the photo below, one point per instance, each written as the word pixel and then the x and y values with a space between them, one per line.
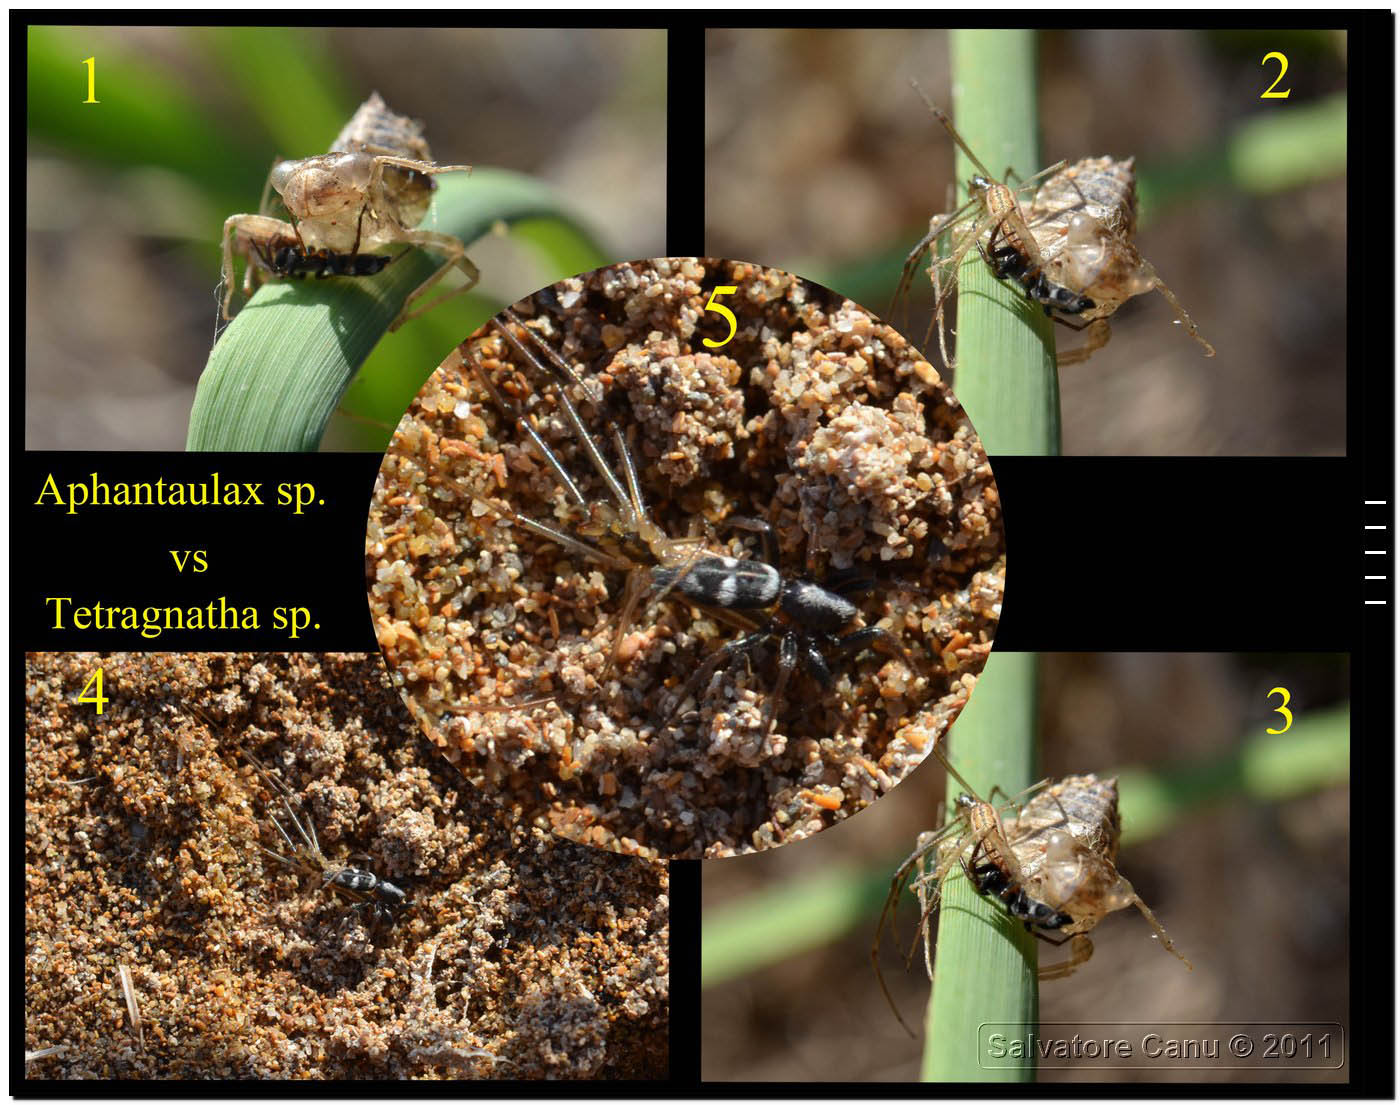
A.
pixel 724 581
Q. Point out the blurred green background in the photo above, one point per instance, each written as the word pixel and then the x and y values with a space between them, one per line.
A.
pixel 823 161
pixel 127 198
pixel 1239 841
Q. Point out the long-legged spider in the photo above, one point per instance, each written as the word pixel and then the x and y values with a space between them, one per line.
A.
pixel 1069 248
pixel 977 840
pixel 369 192
pixel 804 618
pixel 993 222
pixel 1052 865
pixel 356 884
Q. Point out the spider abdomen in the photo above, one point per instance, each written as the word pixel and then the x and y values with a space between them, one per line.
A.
pixel 724 581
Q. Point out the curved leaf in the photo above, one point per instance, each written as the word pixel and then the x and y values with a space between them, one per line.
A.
pixel 281 367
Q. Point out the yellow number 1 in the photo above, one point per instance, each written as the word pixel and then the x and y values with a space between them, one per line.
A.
pixel 1284 710
pixel 723 311
pixel 91 63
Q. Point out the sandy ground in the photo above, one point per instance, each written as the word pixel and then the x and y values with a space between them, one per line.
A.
pixel 516 955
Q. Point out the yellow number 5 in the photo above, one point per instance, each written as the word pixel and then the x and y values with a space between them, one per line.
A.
pixel 1269 93
pixel 1284 710
pixel 723 311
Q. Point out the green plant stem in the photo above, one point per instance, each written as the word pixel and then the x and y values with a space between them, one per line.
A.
pixel 787 919
pixel 1005 376
pixel 984 969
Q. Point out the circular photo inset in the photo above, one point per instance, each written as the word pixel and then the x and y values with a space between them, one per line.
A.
pixel 685 558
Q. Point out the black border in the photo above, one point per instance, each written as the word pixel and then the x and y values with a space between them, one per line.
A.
pixel 1369 475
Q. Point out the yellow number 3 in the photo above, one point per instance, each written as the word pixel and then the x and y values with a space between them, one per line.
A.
pixel 1269 93
pixel 723 311
pixel 1284 710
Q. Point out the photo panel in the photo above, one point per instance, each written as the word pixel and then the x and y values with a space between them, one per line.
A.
pixel 1228 802
pixel 130 192
pixel 252 866
pixel 1225 184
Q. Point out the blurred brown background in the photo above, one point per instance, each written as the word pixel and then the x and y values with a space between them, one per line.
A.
pixel 1256 894
pixel 822 160
pixel 122 237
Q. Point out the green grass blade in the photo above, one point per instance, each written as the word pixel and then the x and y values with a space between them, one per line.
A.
pixel 1005 376
pixel 143 115
pixel 398 367
pixel 271 67
pixel 786 920
pixel 1314 753
pixel 984 970
pixel 1275 151
pixel 280 369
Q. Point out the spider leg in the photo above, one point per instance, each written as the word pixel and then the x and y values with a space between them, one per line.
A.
pixel 292 844
pixel 937 227
pixel 787 660
pixel 512 411
pixel 889 914
pixel 765 532
pixel 813 660
pixel 1099 333
pixel 722 655
pixel 1081 949
pixel 912 262
pixel 264 207
pixel 872 637
pixel 952 263
pixel 1041 935
pixel 562 369
pixel 627 503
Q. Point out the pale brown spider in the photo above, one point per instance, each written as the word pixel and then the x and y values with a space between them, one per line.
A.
pixel 1083 219
pixel 369 192
pixel 1051 865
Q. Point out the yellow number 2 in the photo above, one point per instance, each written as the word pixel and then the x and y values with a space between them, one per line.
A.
pixel 1284 710
pixel 97 698
pixel 91 63
pixel 1270 94
pixel 723 311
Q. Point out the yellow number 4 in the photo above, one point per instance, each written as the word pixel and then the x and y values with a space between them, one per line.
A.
pixel 97 698
pixel 1284 710
pixel 723 311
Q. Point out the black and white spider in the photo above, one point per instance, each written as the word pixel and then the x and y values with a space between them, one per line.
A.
pixel 808 621
pixel 358 885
